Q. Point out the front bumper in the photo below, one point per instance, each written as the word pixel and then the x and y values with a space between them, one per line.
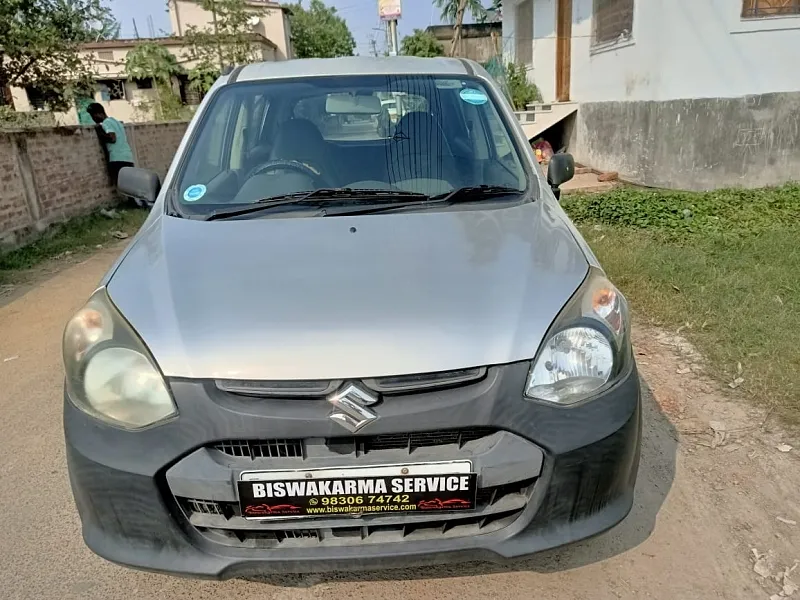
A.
pixel 577 467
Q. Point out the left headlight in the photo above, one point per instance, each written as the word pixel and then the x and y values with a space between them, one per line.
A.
pixel 109 372
pixel 586 348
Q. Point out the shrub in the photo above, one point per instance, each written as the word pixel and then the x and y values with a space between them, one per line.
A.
pixel 521 90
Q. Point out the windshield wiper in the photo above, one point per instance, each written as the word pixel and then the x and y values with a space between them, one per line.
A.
pixel 474 193
pixel 315 198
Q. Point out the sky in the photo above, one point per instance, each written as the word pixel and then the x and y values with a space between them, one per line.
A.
pixel 361 17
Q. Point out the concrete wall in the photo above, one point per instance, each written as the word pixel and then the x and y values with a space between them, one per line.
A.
pixel 695 144
pixel 50 174
pixel 479 41
pixel 542 70
pixel 678 49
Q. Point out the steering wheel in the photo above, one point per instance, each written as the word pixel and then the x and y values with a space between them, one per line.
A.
pixel 290 165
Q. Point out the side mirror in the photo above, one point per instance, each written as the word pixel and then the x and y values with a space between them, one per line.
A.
pixel 560 170
pixel 140 184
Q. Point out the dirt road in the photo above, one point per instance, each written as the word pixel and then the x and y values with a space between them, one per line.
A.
pixel 703 500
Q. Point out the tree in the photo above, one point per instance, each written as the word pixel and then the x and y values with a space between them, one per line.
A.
pixel 39 41
pixel 449 9
pixel 319 32
pixel 229 41
pixel 150 60
pixel 421 43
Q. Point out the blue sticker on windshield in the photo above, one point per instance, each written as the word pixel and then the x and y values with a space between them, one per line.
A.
pixel 473 96
pixel 194 192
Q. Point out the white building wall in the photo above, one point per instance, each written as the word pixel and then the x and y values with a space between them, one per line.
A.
pixel 542 70
pixel 679 49
pixel 544 48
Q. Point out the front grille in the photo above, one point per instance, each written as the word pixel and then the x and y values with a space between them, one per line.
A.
pixel 359 445
pixel 348 536
pixel 253 449
pixel 495 507
pixel 396 384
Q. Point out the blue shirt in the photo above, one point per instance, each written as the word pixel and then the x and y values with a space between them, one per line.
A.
pixel 119 151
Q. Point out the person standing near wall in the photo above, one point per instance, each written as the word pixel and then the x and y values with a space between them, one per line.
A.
pixel 112 134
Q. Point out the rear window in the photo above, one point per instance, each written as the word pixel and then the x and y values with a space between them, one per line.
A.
pixel 344 125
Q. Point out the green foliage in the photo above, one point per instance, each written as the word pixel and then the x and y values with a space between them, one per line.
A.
pixel 229 41
pixel 421 43
pixel 203 76
pixel 152 60
pixel 520 89
pixel 449 9
pixel 319 32
pixel 9 118
pixel 729 211
pixel 40 39
pixel 725 275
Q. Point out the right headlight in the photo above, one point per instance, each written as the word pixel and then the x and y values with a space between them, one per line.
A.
pixel 109 372
pixel 586 348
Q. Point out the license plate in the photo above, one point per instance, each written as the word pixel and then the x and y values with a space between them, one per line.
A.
pixel 412 488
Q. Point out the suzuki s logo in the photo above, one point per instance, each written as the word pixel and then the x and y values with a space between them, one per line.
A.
pixel 350 407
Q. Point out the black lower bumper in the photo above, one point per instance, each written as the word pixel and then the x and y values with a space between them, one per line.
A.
pixel 131 516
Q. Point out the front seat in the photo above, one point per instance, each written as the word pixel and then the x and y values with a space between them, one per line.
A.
pixel 420 157
pixel 300 140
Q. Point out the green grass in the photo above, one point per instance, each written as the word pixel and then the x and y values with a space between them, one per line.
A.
pixel 727 274
pixel 78 235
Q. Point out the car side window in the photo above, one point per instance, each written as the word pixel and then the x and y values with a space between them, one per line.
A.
pixel 210 163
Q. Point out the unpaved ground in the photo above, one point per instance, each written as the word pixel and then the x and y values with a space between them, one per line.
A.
pixel 703 501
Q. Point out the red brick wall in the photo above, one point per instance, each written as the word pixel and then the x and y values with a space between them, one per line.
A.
pixel 64 171
pixel 13 208
pixel 69 170
pixel 155 144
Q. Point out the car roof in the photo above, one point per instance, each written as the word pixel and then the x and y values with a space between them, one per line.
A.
pixel 354 65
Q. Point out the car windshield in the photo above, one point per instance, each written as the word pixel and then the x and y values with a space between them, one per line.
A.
pixel 423 134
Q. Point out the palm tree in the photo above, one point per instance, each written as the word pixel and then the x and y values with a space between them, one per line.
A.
pixel 449 9
pixel 453 12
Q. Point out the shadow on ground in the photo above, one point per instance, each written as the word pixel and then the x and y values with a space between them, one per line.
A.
pixel 656 474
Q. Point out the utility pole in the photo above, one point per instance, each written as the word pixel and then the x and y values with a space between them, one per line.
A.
pixel 389 11
pixel 462 5
pixel 394 46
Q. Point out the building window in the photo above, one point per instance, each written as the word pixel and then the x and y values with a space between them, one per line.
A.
pixel 111 89
pixel 35 98
pixel 758 9
pixel 523 33
pixel 105 55
pixel 189 95
pixel 144 84
pixel 613 20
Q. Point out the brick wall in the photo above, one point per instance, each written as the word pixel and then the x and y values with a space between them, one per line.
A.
pixel 51 174
pixel 13 206
pixel 154 144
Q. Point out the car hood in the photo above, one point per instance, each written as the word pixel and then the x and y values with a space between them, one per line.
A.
pixel 349 296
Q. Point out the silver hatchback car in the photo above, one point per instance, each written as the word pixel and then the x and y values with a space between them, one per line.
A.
pixel 336 345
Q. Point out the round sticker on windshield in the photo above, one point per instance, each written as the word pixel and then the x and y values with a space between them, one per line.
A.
pixel 473 96
pixel 194 192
